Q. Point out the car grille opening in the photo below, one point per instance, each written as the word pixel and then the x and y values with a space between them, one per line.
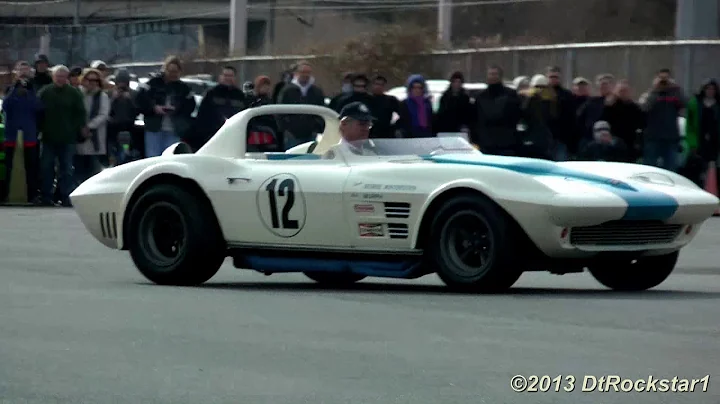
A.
pixel 397 230
pixel 397 210
pixel 620 233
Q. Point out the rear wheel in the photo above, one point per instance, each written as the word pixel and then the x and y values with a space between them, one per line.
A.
pixel 472 245
pixel 334 278
pixel 635 275
pixel 174 238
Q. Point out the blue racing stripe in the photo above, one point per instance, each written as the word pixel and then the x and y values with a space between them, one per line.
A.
pixel 643 203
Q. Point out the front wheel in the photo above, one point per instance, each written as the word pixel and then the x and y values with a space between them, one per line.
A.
pixel 472 245
pixel 173 237
pixel 632 276
pixel 334 279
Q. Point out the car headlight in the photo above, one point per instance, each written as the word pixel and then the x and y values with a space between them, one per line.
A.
pixel 654 178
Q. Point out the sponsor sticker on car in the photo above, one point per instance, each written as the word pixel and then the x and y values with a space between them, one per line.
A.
pixel 364 208
pixel 371 230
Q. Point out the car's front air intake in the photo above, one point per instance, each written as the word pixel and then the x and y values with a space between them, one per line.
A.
pixel 619 233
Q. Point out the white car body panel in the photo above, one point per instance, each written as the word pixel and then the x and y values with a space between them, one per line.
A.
pixel 336 199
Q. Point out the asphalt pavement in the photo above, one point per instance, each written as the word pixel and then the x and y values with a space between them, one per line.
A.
pixel 78 324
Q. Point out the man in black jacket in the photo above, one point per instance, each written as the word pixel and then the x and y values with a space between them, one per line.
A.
pixel 359 93
pixel 594 108
pixel 167 104
pixel 42 73
pixel 298 129
pixel 498 114
pixel 345 89
pixel 218 104
pixel 382 107
pixel 563 126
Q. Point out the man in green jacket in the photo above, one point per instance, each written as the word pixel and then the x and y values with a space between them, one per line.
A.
pixel 63 121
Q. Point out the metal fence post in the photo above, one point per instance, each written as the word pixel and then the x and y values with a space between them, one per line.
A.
pixel 627 63
pixel 569 67
pixel 468 66
pixel 687 67
pixel 516 63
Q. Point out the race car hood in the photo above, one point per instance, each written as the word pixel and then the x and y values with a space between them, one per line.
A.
pixel 616 174
pixel 650 193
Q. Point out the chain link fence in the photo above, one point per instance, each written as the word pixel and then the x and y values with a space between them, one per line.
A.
pixel 691 61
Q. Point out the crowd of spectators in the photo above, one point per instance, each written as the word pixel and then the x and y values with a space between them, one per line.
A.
pixel 72 123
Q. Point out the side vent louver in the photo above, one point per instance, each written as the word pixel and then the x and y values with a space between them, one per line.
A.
pixel 397 210
pixel 397 230
pixel 108 225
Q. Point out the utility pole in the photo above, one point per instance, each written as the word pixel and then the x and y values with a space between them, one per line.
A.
pixel 76 15
pixel 238 27
pixel 444 28
pixel 696 19
pixel 74 33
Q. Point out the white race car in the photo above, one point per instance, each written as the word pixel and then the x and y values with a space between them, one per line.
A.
pixel 414 207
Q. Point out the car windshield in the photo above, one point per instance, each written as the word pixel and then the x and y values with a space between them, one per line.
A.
pixel 419 146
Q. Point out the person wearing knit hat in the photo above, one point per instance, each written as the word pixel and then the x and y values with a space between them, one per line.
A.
pixel 539 109
pixel 521 83
pixel 42 72
pixel 604 146
pixel 454 108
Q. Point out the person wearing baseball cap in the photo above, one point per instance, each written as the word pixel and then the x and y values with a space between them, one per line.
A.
pixel 604 146
pixel 355 123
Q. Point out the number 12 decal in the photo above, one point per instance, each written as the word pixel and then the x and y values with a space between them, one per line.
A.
pixel 286 189
pixel 281 205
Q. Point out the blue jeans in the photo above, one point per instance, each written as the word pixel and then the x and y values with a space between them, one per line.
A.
pixel 63 155
pixel 157 142
pixel 662 154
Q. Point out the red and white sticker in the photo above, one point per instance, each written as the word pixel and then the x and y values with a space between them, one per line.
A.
pixel 371 230
pixel 364 208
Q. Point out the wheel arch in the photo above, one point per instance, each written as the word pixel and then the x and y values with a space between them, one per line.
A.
pixel 165 178
pixel 441 196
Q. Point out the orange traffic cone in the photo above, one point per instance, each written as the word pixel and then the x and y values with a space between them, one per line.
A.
pixel 711 184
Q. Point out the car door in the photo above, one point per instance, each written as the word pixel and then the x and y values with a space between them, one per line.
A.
pixel 293 202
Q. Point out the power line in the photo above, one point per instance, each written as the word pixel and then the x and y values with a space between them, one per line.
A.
pixel 366 8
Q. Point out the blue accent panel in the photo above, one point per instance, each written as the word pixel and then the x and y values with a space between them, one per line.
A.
pixel 643 203
pixel 400 269
pixel 289 156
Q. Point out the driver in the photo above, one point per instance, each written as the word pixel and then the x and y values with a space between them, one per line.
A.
pixel 355 124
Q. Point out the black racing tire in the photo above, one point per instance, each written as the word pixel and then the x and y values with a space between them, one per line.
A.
pixel 334 279
pixel 634 276
pixel 174 238
pixel 472 244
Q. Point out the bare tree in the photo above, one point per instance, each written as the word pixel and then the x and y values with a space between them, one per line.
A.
pixel 391 50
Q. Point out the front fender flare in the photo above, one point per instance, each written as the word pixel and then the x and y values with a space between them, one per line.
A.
pixel 467 183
